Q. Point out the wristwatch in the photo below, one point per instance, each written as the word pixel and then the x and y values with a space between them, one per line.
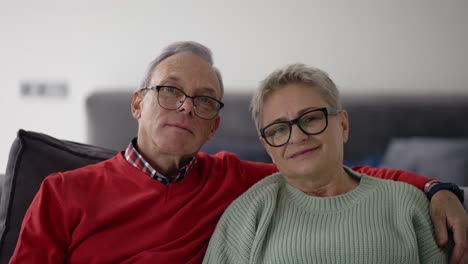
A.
pixel 446 186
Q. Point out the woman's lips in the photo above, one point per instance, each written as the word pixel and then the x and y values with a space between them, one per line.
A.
pixel 302 152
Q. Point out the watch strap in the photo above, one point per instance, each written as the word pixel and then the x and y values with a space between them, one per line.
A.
pixel 428 184
pixel 446 186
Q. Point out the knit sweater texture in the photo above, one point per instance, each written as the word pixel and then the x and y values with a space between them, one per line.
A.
pixel 377 222
pixel 111 212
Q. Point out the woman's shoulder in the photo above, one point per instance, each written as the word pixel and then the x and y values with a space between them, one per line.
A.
pixel 261 194
pixel 396 190
pixel 264 188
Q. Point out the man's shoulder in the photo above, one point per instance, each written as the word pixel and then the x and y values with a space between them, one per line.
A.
pixel 88 172
pixel 216 157
pixel 230 161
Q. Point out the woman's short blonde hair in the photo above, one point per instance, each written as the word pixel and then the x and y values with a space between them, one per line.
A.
pixel 294 73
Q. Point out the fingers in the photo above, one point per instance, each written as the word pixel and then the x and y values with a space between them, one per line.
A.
pixel 459 237
pixel 440 227
pixel 464 259
pixel 447 213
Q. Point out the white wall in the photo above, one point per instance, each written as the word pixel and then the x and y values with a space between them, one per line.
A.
pixel 366 46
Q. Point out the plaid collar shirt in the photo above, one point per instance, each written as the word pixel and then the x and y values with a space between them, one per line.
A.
pixel 135 159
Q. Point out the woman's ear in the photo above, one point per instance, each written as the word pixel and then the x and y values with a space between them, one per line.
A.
pixel 345 125
pixel 266 147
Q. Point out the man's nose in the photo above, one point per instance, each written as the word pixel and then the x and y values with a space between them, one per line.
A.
pixel 187 106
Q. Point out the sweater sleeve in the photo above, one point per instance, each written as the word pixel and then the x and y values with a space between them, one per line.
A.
pixel 391 174
pixel 229 243
pixel 45 234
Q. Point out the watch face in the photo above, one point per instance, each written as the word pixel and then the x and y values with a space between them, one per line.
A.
pixel 457 191
pixel 454 187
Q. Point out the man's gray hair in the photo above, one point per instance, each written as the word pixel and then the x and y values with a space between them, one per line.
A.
pixel 178 47
pixel 294 74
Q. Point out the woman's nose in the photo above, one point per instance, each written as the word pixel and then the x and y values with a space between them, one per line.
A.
pixel 297 135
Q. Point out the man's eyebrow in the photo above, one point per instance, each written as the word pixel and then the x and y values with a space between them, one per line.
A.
pixel 206 89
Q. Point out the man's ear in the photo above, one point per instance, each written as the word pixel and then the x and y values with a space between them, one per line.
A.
pixel 214 127
pixel 136 105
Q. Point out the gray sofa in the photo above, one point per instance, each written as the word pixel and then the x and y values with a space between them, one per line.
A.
pixel 428 133
pixel 425 134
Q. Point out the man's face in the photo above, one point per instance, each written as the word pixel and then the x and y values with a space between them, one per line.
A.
pixel 176 132
pixel 304 155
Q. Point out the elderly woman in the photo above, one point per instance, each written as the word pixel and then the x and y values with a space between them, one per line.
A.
pixel 315 210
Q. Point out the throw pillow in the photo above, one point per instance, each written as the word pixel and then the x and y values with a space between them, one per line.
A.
pixel 440 158
pixel 32 157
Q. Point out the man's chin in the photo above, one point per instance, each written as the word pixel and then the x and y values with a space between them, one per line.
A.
pixel 179 148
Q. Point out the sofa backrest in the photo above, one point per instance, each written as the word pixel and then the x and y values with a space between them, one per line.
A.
pixel 375 120
pixel 111 125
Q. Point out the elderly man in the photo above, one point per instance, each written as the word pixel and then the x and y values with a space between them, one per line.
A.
pixel 159 200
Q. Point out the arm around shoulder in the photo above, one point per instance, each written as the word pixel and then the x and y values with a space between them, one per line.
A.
pixel 392 174
pixel 429 251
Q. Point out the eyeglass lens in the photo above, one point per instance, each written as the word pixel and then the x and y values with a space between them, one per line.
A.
pixel 311 123
pixel 172 98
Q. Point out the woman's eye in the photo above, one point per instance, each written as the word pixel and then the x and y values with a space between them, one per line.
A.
pixel 278 130
pixel 308 119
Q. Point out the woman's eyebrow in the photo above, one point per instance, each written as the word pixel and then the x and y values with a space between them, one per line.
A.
pixel 300 112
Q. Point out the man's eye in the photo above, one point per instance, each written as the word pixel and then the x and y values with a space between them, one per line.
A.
pixel 171 89
pixel 204 100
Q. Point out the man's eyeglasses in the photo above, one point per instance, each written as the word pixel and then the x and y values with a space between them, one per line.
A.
pixel 172 98
pixel 312 122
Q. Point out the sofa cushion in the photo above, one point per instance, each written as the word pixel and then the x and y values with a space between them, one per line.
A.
pixel 440 158
pixel 32 157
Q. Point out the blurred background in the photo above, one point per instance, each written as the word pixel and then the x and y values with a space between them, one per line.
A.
pixel 53 54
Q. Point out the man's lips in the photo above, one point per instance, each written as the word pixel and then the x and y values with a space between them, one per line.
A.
pixel 301 152
pixel 180 126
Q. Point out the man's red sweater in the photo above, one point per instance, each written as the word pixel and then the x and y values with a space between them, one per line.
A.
pixel 111 212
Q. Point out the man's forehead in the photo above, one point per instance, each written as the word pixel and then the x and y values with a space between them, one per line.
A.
pixel 176 81
pixel 184 61
pixel 186 69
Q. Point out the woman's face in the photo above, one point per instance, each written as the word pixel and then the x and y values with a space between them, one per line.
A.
pixel 304 155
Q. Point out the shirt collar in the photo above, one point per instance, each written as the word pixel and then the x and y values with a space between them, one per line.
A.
pixel 135 159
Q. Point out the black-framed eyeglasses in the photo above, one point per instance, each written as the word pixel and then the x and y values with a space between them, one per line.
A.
pixel 172 98
pixel 313 122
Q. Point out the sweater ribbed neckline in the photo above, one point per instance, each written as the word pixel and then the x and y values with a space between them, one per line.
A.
pixel 330 204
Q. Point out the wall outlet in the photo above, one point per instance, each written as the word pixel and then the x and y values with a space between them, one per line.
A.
pixel 43 89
